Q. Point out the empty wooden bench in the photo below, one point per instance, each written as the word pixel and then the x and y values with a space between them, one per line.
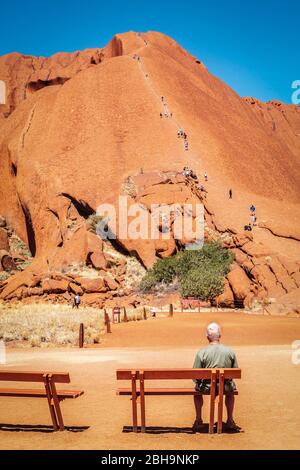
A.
pixel 138 389
pixel 49 391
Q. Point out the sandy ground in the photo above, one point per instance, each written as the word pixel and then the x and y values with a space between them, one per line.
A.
pixel 267 408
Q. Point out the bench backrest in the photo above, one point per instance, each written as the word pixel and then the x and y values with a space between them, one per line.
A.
pixel 23 376
pixel 231 373
pixel 170 374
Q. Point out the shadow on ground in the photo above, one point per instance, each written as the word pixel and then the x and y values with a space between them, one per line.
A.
pixel 38 428
pixel 175 430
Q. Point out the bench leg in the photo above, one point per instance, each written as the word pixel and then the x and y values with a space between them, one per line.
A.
pixel 50 404
pixel 212 402
pixel 134 401
pixel 220 404
pixel 143 409
pixel 57 405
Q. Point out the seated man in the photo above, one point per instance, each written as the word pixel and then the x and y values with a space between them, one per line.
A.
pixel 214 356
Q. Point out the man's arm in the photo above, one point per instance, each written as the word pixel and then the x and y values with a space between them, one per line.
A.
pixel 197 363
pixel 234 362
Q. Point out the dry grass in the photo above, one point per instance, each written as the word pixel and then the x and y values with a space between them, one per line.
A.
pixel 44 325
pixel 134 273
pixel 48 325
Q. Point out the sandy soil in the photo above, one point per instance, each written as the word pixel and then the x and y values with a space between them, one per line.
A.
pixel 267 408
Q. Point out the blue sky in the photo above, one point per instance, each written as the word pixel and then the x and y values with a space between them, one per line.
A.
pixel 253 45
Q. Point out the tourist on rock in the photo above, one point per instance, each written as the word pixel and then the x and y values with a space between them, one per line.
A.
pixel 77 301
pixel 205 176
pixel 215 356
pixel 252 210
pixel 230 193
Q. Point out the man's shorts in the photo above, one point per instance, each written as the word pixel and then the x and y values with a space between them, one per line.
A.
pixel 203 386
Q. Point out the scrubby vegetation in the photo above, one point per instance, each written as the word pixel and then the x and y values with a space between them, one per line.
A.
pixel 200 273
pixel 49 325
pixel 4 275
pixel 93 221
pixel 43 325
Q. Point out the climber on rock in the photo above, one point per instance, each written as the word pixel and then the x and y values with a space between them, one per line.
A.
pixel 230 193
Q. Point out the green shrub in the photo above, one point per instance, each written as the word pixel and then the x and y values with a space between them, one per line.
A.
pixel 164 270
pixel 148 282
pixel 200 272
pixel 204 284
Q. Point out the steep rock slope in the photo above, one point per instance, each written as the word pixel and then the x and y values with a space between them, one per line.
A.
pixel 78 126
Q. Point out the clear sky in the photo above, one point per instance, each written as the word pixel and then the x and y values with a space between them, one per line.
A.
pixel 253 45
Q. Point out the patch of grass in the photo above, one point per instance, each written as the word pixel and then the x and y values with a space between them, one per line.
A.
pixel 4 275
pixel 44 325
pixel 17 245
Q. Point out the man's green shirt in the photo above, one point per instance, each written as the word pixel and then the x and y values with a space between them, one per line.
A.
pixel 215 356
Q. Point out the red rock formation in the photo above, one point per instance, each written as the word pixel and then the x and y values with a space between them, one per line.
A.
pixel 79 128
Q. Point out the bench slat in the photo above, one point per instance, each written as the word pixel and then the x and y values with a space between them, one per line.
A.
pixel 232 373
pixel 38 393
pixel 165 374
pixel 164 391
pixel 24 376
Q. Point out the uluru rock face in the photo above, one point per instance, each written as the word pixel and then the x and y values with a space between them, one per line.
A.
pixel 79 129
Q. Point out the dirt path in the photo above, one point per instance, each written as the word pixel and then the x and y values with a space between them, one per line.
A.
pixel 267 408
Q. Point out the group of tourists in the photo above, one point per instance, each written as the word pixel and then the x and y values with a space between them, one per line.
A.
pixel 188 173
pixel 253 223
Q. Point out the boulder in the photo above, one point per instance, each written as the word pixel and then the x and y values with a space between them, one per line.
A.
pixel 54 286
pixel 6 261
pixel 75 288
pixel 165 248
pixel 94 299
pixel 2 221
pixel 239 283
pixel 35 291
pixel 94 243
pixel 112 284
pixel 92 285
pixel 226 299
pixel 98 260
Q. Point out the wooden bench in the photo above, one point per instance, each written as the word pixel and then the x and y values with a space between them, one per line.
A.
pixel 138 390
pixel 49 391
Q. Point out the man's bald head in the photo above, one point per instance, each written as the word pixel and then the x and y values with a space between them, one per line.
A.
pixel 213 332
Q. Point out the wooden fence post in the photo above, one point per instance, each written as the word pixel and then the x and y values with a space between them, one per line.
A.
pixel 81 335
pixel 171 310
pixel 125 319
pixel 107 321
